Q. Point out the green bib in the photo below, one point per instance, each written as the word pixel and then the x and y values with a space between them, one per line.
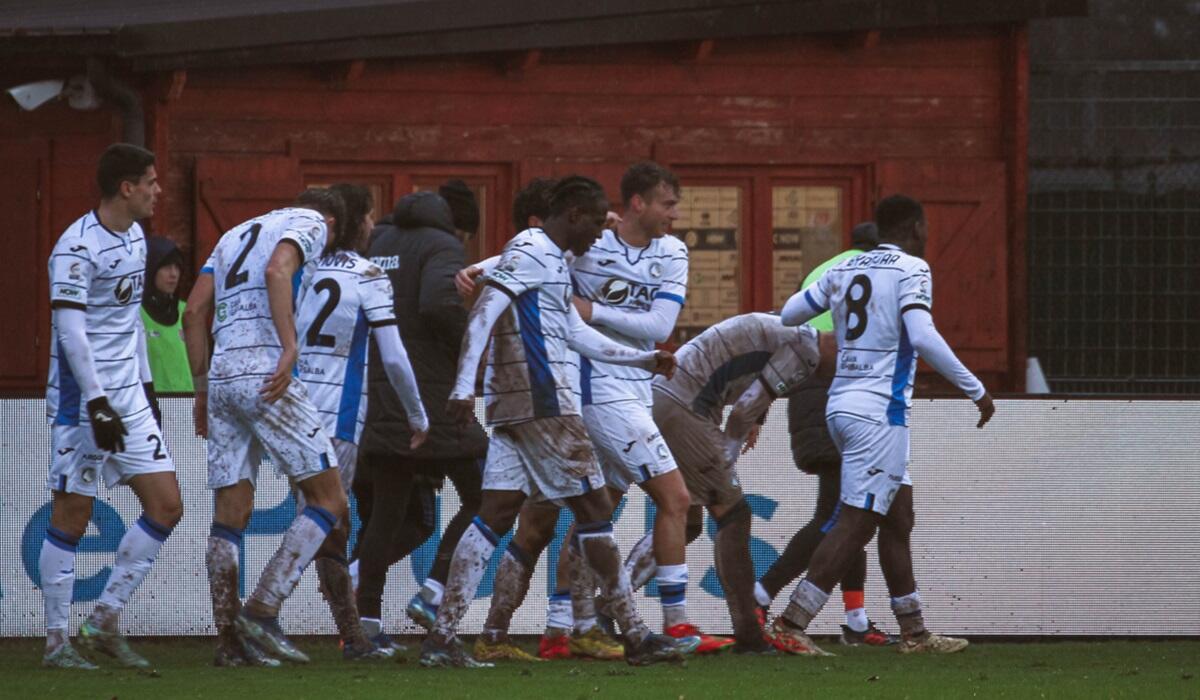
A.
pixel 168 355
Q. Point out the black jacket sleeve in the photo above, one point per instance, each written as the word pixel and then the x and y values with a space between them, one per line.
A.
pixel 439 305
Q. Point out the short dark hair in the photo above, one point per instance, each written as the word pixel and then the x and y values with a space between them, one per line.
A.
pixel 896 215
pixel 575 191
pixel 642 178
pixel 121 162
pixel 328 203
pixel 359 202
pixel 464 208
pixel 532 200
pixel 865 236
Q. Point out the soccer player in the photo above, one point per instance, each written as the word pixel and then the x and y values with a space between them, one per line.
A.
pixel 100 404
pixel 881 313
pixel 746 361
pixel 539 447
pixel 248 407
pixel 346 299
pixel 814 453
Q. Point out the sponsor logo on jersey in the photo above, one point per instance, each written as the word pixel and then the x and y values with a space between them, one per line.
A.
pixel 221 312
pixel 113 265
pixel 65 451
pixel 68 292
pixel 616 291
pixel 387 262
pixel 606 263
pixel 78 248
pixel 127 286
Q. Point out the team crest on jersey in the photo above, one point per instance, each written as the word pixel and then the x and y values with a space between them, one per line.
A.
pixel 75 272
pixel 88 475
pixel 616 291
pixel 656 269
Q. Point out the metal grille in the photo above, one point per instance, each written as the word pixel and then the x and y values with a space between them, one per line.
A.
pixel 1114 226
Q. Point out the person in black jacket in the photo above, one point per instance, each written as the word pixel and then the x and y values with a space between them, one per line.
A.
pixel 395 486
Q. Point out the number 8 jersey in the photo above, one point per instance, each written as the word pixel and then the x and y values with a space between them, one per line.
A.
pixel 244 338
pixel 868 295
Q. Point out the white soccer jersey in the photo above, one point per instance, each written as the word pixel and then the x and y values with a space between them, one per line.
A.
pixel 613 274
pixel 876 366
pixel 531 373
pixel 344 298
pixel 245 343
pixel 101 272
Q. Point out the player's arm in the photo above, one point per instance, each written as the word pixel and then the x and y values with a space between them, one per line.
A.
pixel 749 411
pixel 492 302
pixel 806 304
pixel 195 337
pixel 285 260
pixel 591 343
pixel 931 347
pixel 655 323
pixel 464 279
pixel 146 375
pixel 400 373
pixel 70 281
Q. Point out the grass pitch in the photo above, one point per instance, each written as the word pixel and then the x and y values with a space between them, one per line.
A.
pixel 1100 669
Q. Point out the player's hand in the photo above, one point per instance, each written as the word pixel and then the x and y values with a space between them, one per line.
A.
pixel 751 438
pixel 584 307
pixel 200 414
pixel 664 363
pixel 611 219
pixel 987 409
pixel 460 408
pixel 107 428
pixel 418 439
pixel 464 281
pixel 276 386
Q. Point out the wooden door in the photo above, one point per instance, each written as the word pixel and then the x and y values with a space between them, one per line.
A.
pixel 25 354
pixel 965 205
pixel 232 190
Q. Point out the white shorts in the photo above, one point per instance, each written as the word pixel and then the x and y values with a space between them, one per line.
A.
pixel 76 462
pixel 874 461
pixel 546 458
pixel 242 429
pixel 347 460
pixel 628 443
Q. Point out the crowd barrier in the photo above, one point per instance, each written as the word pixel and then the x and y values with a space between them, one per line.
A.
pixel 1061 517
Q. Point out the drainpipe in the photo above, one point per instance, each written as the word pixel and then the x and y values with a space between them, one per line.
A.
pixel 125 98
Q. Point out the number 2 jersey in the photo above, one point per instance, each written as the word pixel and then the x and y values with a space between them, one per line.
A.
pixel 868 295
pixel 627 279
pixel 345 297
pixel 244 338
pixel 102 273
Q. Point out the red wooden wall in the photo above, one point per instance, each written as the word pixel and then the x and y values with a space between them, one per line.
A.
pixel 934 113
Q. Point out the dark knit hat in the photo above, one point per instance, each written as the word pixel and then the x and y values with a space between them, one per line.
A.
pixel 463 205
pixel 865 236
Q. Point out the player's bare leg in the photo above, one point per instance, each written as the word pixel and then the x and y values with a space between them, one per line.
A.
pixel 258 619
pixel 895 559
pixel 535 530
pixel 69 516
pixel 497 513
pixel 162 508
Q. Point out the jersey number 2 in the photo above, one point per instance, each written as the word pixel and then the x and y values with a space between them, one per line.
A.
pixel 315 337
pixel 236 275
pixel 856 307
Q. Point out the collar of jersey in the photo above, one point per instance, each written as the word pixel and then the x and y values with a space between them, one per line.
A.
pixel 627 248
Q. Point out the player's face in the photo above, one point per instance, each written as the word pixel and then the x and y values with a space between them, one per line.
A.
pixel 658 211
pixel 586 225
pixel 167 279
pixel 142 194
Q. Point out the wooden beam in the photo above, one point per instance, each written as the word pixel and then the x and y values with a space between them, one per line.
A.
pixel 175 86
pixel 701 50
pixel 520 64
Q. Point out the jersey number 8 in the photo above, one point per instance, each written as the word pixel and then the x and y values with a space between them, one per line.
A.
pixel 856 307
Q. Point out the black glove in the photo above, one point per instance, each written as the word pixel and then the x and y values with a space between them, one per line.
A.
pixel 107 428
pixel 152 397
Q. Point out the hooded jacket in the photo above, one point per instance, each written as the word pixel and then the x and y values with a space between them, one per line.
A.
pixel 161 317
pixel 418 250
pixel 163 308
